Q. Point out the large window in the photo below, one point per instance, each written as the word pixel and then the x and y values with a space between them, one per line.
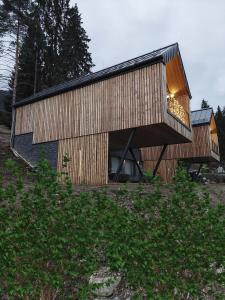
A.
pixel 114 164
pixel 128 168
pixel 177 106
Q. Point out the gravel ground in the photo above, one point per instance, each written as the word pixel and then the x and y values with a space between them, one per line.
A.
pixel 217 192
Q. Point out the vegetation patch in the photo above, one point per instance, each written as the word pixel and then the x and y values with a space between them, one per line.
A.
pixel 166 246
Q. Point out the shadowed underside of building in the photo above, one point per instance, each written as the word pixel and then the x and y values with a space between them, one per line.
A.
pixel 142 102
pixel 203 149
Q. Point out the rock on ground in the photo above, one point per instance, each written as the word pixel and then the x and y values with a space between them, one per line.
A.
pixel 108 282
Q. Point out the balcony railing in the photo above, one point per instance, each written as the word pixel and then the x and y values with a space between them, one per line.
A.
pixel 177 110
pixel 215 148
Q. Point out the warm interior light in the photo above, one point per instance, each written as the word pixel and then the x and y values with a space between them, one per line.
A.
pixel 175 107
pixel 170 95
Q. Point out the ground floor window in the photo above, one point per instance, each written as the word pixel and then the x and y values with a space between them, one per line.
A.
pixel 129 167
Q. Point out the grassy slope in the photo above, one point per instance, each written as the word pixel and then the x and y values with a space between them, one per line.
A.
pixel 6 153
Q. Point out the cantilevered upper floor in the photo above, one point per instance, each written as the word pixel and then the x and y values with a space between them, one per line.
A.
pixel 203 148
pixel 149 94
pixel 140 93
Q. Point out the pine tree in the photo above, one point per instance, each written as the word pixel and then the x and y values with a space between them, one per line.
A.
pixel 75 57
pixel 13 18
pixel 31 58
pixel 53 15
pixel 204 104
pixel 55 47
pixel 27 73
pixel 220 123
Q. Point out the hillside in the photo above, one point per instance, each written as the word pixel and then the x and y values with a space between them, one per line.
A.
pixel 6 153
pixel 4 144
pixel 83 231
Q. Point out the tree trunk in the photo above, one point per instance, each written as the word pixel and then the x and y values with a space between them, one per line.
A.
pixel 35 69
pixel 15 85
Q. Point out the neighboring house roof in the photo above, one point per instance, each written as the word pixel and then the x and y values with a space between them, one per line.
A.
pixel 201 116
pixel 161 55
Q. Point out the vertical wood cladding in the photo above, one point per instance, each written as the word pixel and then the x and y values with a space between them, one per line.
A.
pixel 132 99
pixel 178 126
pixel 200 147
pixel 88 158
pixel 167 168
pixel 24 117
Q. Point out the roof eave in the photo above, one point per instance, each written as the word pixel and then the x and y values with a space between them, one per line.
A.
pixel 200 124
pixel 185 76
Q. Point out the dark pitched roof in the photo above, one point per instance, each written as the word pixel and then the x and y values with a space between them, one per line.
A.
pixel 164 55
pixel 201 116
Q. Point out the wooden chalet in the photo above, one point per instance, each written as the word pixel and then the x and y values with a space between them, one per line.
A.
pixel 203 149
pixel 142 102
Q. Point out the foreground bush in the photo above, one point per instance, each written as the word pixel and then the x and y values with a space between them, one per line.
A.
pixel 166 244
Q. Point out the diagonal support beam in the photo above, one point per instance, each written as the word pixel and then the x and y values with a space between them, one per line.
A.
pixel 136 163
pixel 159 160
pixel 124 153
pixel 199 169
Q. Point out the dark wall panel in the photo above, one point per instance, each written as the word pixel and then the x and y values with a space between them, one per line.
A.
pixel 32 152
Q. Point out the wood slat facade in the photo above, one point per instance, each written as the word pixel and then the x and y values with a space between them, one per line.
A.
pixel 130 100
pixel 120 102
pixel 200 150
pixel 24 120
pixel 88 158
pixel 92 119
pixel 167 168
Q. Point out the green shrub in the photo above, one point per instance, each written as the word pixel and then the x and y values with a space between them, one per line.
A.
pixel 167 244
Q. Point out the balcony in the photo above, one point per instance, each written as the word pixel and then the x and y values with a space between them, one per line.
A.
pixel 176 109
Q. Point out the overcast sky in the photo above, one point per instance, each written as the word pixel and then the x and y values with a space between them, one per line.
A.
pixel 122 29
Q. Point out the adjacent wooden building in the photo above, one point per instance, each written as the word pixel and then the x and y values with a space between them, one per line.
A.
pixel 142 102
pixel 203 149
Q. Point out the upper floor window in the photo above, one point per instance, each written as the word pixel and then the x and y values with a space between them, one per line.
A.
pixel 177 109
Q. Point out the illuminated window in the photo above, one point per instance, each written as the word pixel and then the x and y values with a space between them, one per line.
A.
pixel 176 108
